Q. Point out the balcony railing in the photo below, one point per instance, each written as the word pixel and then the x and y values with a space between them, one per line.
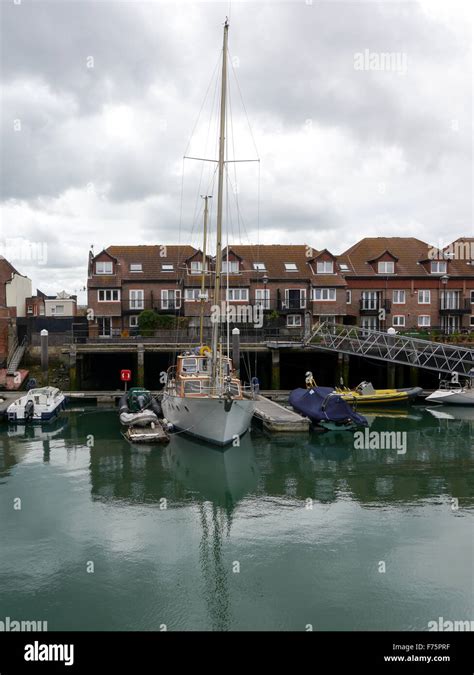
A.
pixel 371 307
pixel 455 306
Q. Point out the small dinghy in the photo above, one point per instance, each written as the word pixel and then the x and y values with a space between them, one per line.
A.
pixel 38 405
pixel 141 413
pixel 138 408
pixel 453 392
pixel 326 408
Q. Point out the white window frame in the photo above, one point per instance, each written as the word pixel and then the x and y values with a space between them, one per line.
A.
pixel 420 324
pixel 29 309
pixel 401 293
pixel 472 297
pixel 302 292
pixel 133 321
pixel 138 266
pixel 54 310
pixel 108 290
pixel 471 322
pixel 192 294
pixel 136 298
pixel 370 300
pixel 167 267
pixel 322 292
pixel 437 264
pixel 259 267
pixel 171 295
pixel 422 294
pixel 294 320
pixel 230 267
pixel 397 323
pixel 385 263
pixel 196 267
pixel 344 267
pixel 321 266
pixel 103 263
pixel 262 298
pixel 41 312
pixel 291 267
pixel 348 297
pixel 231 294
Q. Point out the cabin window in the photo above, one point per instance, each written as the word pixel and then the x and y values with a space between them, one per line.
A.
pixel 189 366
pixel 234 389
pixel 104 267
pixel 325 267
pixel 192 387
pixel 386 267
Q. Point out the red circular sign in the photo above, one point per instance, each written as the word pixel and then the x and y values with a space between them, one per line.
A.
pixel 125 375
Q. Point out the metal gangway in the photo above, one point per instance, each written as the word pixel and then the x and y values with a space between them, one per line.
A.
pixel 391 347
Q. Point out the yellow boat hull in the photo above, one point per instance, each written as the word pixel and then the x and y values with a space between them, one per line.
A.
pixel 380 396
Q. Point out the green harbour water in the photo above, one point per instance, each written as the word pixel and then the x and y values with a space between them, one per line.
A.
pixel 282 533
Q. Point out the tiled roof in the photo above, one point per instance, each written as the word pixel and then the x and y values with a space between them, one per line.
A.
pixel 152 259
pixel 274 256
pixel 408 250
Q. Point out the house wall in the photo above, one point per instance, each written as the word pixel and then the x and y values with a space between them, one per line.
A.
pixel 17 290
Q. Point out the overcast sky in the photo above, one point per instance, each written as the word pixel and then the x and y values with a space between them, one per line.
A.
pixel 101 98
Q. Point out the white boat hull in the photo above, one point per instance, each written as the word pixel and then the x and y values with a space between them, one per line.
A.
pixel 206 418
pixel 452 396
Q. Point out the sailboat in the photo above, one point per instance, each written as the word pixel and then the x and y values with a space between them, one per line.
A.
pixel 203 395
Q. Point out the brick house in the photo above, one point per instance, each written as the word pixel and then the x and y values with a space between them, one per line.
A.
pixel 403 282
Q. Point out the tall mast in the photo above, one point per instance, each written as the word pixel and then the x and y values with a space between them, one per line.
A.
pixel 220 191
pixel 204 260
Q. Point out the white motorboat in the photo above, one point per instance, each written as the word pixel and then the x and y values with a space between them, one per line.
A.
pixel 453 393
pixel 38 405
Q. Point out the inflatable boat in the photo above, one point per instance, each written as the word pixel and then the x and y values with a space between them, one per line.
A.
pixel 138 408
pixel 326 408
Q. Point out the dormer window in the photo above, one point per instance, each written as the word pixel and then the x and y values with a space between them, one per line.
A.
pixel 439 267
pixel 325 267
pixel 291 267
pixel 167 268
pixel 196 266
pixel 260 267
pixel 230 266
pixel 104 267
pixel 386 267
pixel 136 267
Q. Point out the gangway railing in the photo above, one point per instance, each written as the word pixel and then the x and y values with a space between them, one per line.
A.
pixel 354 340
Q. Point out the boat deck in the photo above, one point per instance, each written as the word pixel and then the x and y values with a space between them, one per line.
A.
pixel 275 417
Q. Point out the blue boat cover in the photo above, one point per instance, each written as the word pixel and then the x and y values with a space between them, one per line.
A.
pixel 320 404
